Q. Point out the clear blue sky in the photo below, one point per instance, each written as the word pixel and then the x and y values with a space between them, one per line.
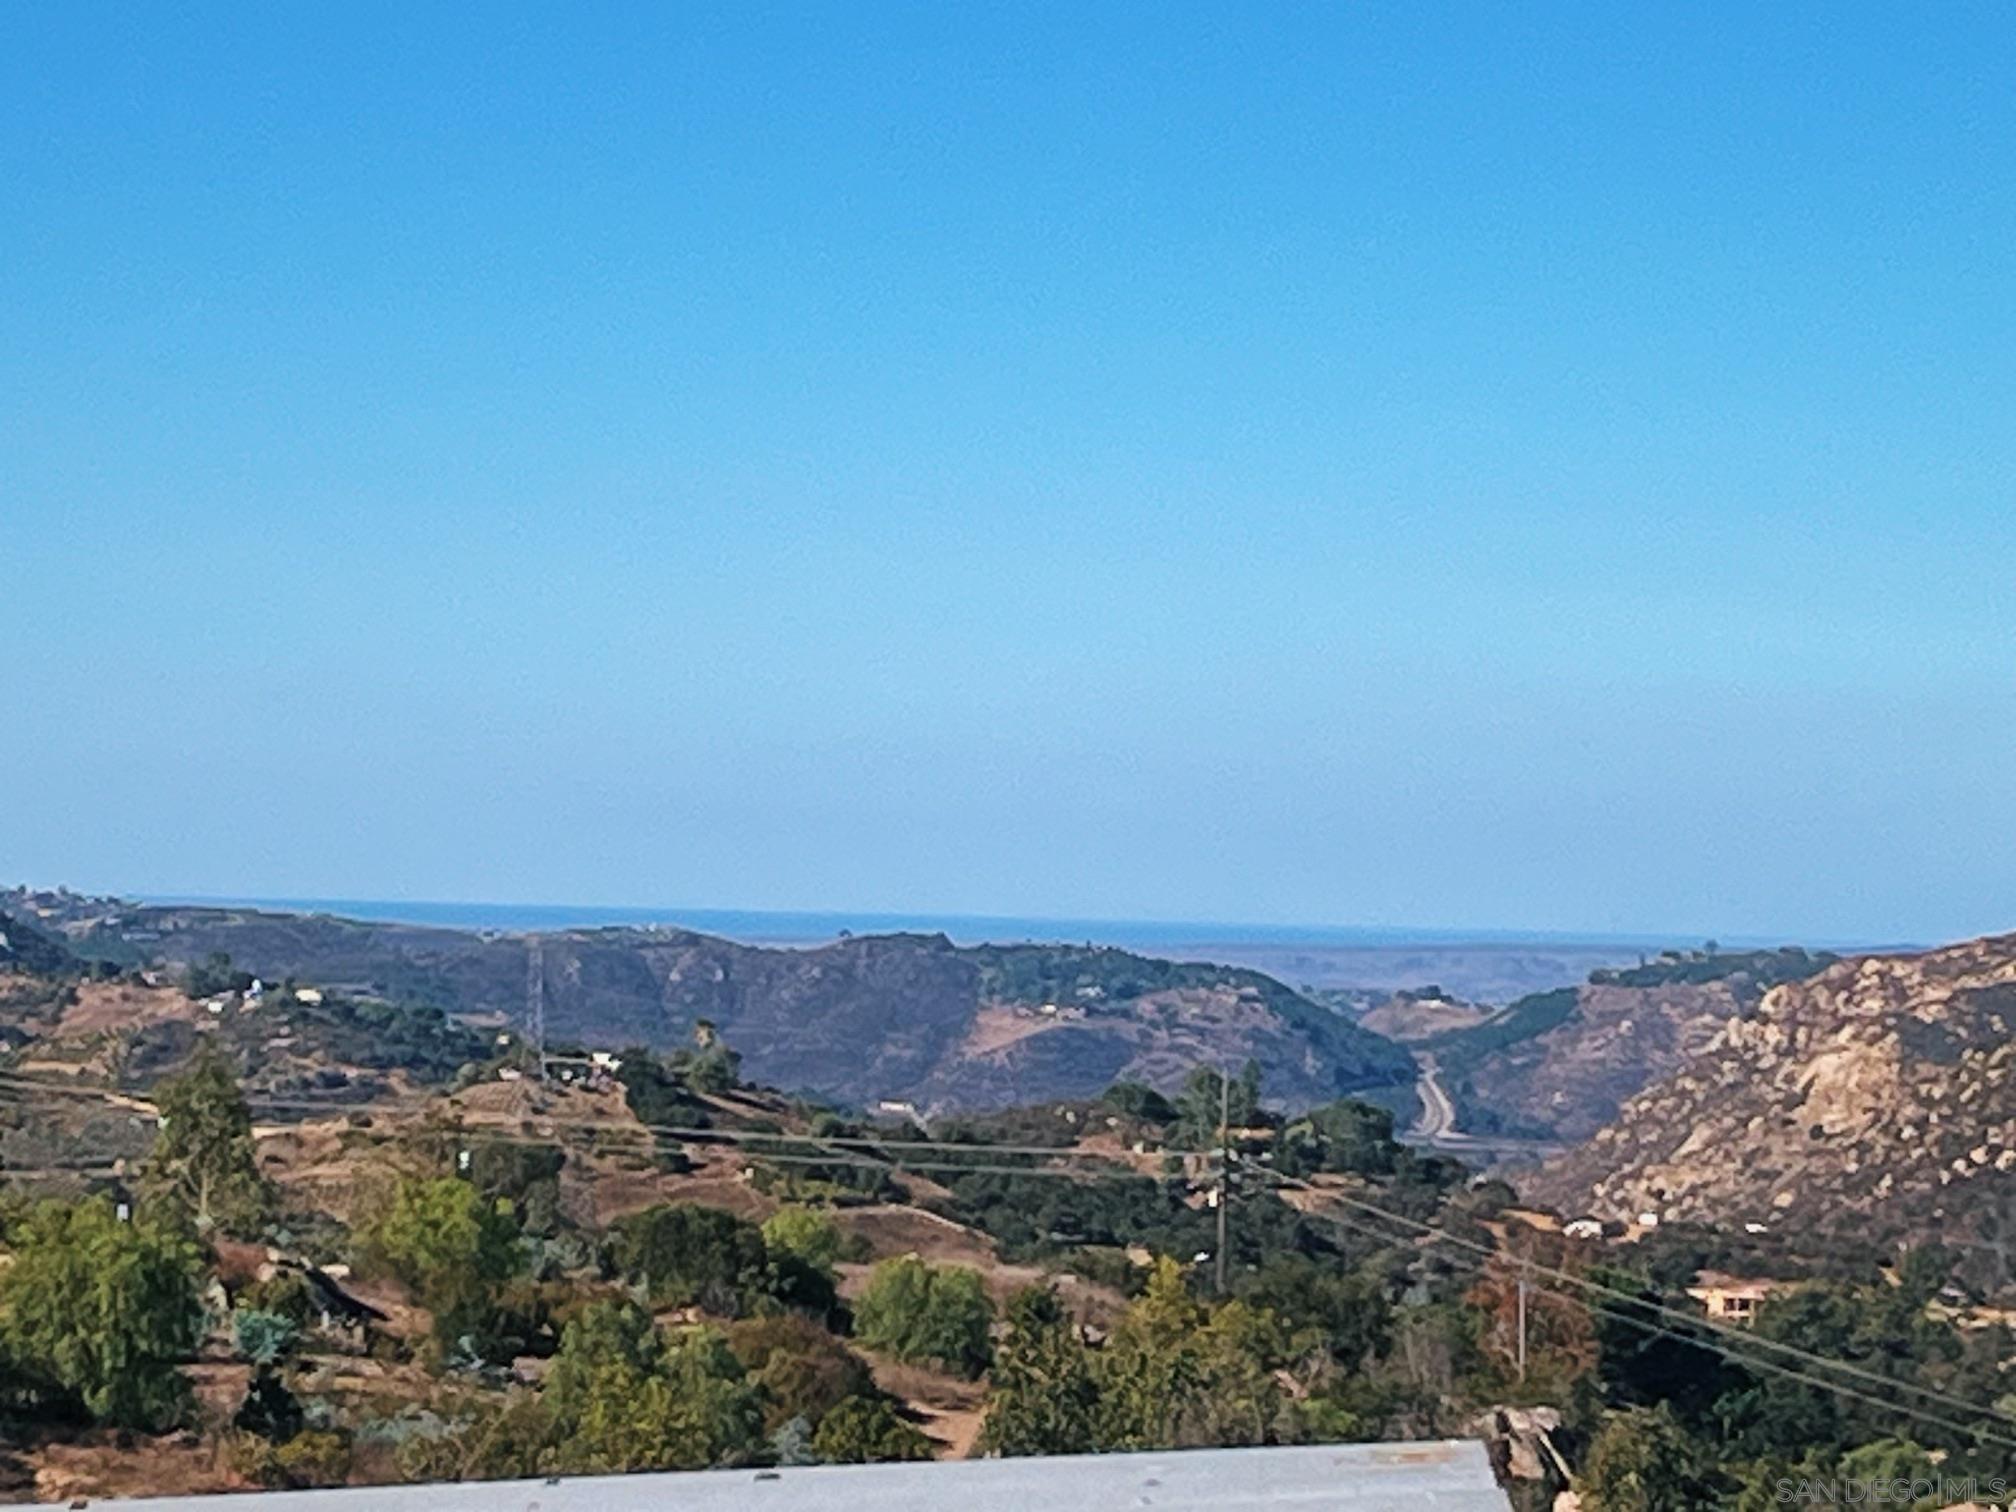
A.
pixel 1531 466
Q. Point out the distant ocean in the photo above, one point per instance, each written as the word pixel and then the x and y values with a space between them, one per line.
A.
pixel 769 927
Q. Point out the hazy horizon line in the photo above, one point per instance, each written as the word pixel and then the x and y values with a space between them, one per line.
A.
pixel 819 923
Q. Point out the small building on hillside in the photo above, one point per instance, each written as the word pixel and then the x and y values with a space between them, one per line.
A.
pixel 1730 1299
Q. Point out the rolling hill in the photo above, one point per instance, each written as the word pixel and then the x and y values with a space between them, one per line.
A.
pixel 904 1016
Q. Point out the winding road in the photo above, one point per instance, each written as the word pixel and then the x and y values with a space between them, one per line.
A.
pixel 1438 1115
pixel 1436 1129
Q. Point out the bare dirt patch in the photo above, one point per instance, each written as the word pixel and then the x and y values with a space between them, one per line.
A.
pixel 119 1007
pixel 95 1466
pixel 949 1409
pixel 995 1028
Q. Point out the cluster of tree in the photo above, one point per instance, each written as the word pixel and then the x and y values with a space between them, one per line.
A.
pixel 1458 1050
pixel 671 1091
pixel 25 948
pixel 681 1254
pixel 1090 974
pixel 1040 1216
pixel 815 1168
pixel 624 1394
pixel 1180 1371
pixel 1329 1331
pixel 214 974
pixel 1687 1426
pixel 1761 968
pixel 420 1040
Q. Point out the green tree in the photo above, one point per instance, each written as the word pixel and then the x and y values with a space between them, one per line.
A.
pixel 511 1437
pixel 1878 1329
pixel 1132 1099
pixel 712 1067
pixel 269 1410
pixel 1346 1135
pixel 791 1444
pixel 101 1311
pixel 683 1403
pixel 451 1245
pixel 804 1372
pixel 204 1158
pixel 525 1175
pixel 1178 1373
pixel 603 1336
pixel 687 1254
pixel 214 974
pixel 807 1233
pixel 1044 1396
pixel 1208 1093
pixel 1644 1461
pixel 1343 1314
pixel 867 1430
pixel 922 1312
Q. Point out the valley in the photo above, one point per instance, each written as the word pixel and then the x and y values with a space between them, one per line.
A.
pixel 478 1246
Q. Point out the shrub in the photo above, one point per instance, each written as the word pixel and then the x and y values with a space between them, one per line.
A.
pixel 810 1235
pixel 451 1245
pixel 692 1255
pixel 263 1337
pixel 803 1370
pixel 922 1312
pixel 864 1430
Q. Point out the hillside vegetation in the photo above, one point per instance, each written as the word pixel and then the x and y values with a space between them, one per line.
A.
pixel 261 1235
pixel 1557 1065
pixel 902 1017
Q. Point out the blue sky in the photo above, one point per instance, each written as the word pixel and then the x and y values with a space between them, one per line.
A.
pixel 1536 467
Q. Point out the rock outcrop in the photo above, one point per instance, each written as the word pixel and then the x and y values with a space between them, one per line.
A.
pixel 1877 1098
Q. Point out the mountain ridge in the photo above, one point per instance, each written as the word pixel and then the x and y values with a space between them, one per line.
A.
pixel 904 1017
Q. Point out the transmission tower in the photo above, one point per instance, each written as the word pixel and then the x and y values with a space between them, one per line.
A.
pixel 535 999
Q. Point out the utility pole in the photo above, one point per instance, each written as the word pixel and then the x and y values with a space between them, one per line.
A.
pixel 1522 1323
pixel 1224 1169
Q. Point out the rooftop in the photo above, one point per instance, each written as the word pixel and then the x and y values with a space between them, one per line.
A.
pixel 1449 1476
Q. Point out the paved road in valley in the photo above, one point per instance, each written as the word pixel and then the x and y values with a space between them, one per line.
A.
pixel 1436 1128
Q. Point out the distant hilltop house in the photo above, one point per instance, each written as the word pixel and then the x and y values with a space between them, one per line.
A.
pixel 1053 1010
pixel 1730 1299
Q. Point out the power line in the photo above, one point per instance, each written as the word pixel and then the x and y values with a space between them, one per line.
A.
pixel 847 1158
pixel 696 1132
pixel 1740 1337
pixel 892 1154
pixel 1736 1356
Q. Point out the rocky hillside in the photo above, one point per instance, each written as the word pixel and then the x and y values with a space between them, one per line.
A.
pixel 1877 1098
pixel 1558 1065
pixel 905 1016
